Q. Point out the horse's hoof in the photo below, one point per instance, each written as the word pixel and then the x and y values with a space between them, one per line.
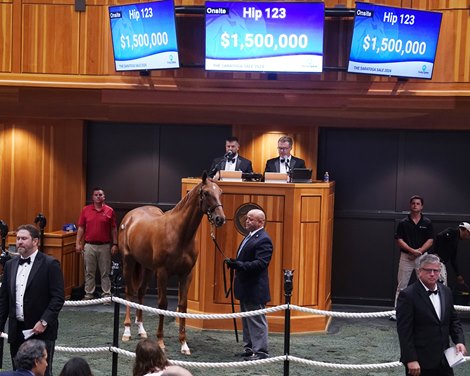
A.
pixel 143 335
pixel 185 349
pixel 125 338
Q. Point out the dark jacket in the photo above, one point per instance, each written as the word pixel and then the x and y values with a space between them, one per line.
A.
pixel 423 337
pixel 273 165
pixel 43 297
pixel 243 165
pixel 251 277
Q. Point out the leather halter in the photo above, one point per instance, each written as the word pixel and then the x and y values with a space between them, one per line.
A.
pixel 210 210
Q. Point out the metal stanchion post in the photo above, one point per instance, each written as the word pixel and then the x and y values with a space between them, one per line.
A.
pixel 288 276
pixel 116 277
pixel 41 221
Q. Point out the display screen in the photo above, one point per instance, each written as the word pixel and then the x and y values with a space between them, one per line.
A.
pixel 144 36
pixel 264 37
pixel 394 41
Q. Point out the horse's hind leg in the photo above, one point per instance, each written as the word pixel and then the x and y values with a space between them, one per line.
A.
pixel 162 281
pixel 140 296
pixel 133 278
pixel 184 282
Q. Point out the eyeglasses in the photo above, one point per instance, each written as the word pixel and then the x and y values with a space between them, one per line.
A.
pixel 279 148
pixel 431 270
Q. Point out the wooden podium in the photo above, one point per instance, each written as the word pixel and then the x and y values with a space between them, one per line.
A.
pixel 61 245
pixel 299 219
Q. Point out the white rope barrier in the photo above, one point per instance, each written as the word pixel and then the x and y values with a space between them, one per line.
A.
pixel 244 364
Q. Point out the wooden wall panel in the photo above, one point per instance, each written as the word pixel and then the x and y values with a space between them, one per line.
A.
pixel 96 47
pixel 453 50
pixel 50 39
pixel 42 171
pixel 5 37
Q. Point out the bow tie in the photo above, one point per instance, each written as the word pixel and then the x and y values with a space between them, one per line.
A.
pixel 432 292
pixel 231 160
pixel 285 160
pixel 25 260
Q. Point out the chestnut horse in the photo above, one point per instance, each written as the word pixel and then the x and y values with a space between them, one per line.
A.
pixel 151 241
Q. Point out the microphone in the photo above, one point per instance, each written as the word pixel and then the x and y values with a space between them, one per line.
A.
pixel 229 154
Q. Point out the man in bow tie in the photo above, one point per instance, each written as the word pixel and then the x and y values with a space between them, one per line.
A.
pixel 425 320
pixel 31 295
pixel 231 161
pixel 285 162
pixel 251 285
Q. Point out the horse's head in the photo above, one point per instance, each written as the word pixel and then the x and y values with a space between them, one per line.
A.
pixel 209 195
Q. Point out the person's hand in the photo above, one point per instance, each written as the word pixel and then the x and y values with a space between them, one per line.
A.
pixel 461 348
pixel 114 249
pixel 78 248
pixel 413 368
pixel 232 263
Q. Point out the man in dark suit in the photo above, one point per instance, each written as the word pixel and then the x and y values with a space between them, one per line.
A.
pixel 425 320
pixel 285 162
pixel 231 161
pixel 30 360
pixel 251 284
pixel 32 294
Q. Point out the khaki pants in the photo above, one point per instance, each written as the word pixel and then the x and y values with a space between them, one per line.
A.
pixel 97 257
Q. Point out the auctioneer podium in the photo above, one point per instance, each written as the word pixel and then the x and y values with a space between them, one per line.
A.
pixel 299 219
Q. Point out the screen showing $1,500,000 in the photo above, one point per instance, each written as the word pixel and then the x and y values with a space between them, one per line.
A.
pixel 144 36
pixel 264 37
pixel 394 41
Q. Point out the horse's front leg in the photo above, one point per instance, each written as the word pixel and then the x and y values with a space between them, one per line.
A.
pixel 127 325
pixel 184 282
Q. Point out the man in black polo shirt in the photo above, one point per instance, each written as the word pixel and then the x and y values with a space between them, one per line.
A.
pixel 414 236
pixel 447 243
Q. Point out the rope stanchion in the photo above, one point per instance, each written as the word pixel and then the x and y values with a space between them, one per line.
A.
pixel 288 277
pixel 286 358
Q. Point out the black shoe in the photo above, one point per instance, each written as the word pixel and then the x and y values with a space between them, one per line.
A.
pixel 258 356
pixel 245 354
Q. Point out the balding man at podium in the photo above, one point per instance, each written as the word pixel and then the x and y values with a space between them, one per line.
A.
pixel 285 162
pixel 231 161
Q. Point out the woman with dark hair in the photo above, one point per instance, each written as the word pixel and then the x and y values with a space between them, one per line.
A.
pixel 150 360
pixel 76 367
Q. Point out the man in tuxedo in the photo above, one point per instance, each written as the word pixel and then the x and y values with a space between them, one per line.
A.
pixel 425 320
pixel 285 162
pixel 251 284
pixel 231 161
pixel 31 295
pixel 30 360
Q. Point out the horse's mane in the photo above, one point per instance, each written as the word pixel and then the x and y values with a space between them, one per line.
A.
pixel 186 198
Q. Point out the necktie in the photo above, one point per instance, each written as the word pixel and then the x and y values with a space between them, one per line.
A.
pixel 25 260
pixel 432 292
pixel 243 243
pixel 231 160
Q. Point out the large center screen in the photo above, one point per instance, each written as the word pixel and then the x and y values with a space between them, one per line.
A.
pixel 264 37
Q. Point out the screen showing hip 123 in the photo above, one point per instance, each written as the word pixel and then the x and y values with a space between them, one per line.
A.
pixel 144 36
pixel 392 41
pixel 264 36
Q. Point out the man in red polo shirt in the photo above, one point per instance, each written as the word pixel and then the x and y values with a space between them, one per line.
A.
pixel 96 238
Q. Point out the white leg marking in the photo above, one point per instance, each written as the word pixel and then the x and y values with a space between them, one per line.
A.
pixel 127 334
pixel 185 349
